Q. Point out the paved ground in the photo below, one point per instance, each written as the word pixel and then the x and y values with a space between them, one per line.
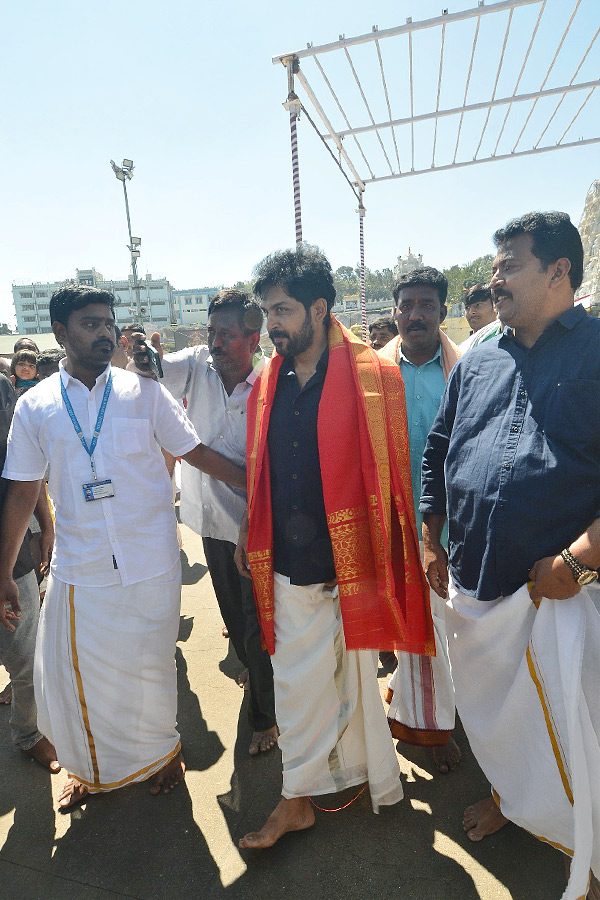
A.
pixel 128 844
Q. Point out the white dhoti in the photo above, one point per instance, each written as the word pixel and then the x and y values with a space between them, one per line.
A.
pixel 105 678
pixel 420 691
pixel 333 730
pixel 526 684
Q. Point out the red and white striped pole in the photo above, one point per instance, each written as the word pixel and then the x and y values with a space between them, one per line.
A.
pixel 296 169
pixel 294 106
pixel 363 297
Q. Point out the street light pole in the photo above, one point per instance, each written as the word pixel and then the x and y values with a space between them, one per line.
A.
pixel 124 174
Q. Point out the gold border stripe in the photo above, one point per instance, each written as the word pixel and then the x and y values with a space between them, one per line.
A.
pixel 82 702
pixel 111 785
pixel 551 731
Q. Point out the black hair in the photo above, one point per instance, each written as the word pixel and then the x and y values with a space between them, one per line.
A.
pixel 23 356
pixel 304 274
pixel 425 275
pixel 66 300
pixel 384 322
pixel 21 344
pixel 247 310
pixel 477 293
pixel 554 237
pixel 135 327
pixel 50 357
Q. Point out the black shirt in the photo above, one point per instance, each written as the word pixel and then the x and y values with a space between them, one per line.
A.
pixel 301 543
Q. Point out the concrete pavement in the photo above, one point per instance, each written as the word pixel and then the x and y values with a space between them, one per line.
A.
pixel 129 844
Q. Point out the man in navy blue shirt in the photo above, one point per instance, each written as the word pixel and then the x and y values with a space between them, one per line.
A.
pixel 513 457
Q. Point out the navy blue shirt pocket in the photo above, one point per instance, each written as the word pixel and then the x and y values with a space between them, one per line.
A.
pixel 574 414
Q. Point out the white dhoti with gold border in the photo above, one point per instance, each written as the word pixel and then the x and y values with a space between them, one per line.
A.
pixel 105 678
pixel 333 729
pixel 526 682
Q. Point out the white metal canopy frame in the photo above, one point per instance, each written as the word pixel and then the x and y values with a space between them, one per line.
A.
pixel 497 82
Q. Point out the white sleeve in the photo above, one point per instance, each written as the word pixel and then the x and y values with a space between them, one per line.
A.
pixel 177 370
pixel 172 428
pixel 25 460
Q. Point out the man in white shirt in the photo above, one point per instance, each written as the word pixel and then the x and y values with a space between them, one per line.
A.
pixel 217 380
pixel 105 675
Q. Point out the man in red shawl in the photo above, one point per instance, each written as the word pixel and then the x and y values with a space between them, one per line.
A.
pixel 330 541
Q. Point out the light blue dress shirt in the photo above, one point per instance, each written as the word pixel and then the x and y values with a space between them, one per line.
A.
pixel 423 386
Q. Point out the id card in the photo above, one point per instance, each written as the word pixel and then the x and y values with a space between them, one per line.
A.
pixel 98 490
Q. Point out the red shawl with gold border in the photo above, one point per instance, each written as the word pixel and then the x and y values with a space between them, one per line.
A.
pixel 365 469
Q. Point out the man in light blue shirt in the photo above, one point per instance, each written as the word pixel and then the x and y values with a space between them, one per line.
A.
pixel 420 691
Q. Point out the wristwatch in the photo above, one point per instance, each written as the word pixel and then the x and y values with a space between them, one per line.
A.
pixel 581 573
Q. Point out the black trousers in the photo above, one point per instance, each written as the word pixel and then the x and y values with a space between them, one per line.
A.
pixel 236 602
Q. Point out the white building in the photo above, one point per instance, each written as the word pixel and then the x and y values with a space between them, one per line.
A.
pixel 408 263
pixel 32 300
pixel 191 305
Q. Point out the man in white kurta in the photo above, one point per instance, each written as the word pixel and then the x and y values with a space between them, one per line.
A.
pixel 105 674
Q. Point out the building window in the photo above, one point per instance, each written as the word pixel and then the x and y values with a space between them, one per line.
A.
pixel 26 295
pixel 31 331
pixel 25 306
pixel 188 301
pixel 41 293
pixel 29 318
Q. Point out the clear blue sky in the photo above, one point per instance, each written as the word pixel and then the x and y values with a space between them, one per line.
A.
pixel 188 91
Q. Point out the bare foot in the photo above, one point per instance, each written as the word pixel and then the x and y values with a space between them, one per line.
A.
pixel 243 680
pixel 44 753
pixel 263 741
pixel 168 777
pixel 483 818
pixel 289 815
pixel 6 695
pixel 72 794
pixel 447 758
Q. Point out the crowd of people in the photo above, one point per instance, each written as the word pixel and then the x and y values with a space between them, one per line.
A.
pixel 435 501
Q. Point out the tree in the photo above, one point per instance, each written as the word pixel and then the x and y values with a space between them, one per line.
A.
pixel 461 278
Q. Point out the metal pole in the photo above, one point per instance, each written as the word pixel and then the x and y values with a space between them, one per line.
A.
pixel 136 285
pixel 363 297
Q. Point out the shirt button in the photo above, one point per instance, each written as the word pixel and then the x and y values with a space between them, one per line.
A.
pixel 515 428
pixel 296 412
pixel 501 506
pixel 418 397
pixel 294 506
pixel 506 466
pixel 294 443
pixel 522 393
pixel 220 437
pixel 294 476
pixel 294 537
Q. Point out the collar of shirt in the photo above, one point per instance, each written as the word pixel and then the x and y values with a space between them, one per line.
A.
pixel 250 378
pixel 66 377
pixel 567 320
pixel 289 368
pixel 437 356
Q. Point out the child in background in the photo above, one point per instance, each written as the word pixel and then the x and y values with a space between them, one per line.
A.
pixel 23 370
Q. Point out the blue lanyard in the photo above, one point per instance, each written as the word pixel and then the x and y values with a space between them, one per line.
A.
pixel 89 450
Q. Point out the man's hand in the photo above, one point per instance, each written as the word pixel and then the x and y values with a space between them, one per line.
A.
pixel 10 611
pixel 435 565
pixel 241 551
pixel 46 547
pixel 141 360
pixel 552 578
pixel 435 558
